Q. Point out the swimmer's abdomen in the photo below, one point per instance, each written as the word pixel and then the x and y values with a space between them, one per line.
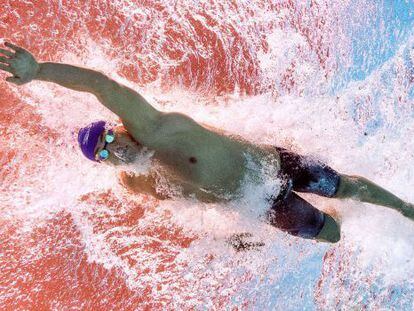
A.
pixel 198 155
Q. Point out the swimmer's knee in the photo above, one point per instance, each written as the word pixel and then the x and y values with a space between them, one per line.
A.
pixel 330 232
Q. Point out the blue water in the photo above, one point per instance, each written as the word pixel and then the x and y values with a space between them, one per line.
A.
pixel 375 39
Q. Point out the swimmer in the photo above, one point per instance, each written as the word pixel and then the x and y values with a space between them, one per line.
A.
pixel 204 163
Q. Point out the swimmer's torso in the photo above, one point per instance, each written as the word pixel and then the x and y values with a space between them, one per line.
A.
pixel 204 159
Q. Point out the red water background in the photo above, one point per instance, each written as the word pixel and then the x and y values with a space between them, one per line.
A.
pixel 207 47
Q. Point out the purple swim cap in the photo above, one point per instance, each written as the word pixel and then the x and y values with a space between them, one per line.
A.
pixel 88 138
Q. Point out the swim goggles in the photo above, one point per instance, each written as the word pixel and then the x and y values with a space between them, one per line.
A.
pixel 103 154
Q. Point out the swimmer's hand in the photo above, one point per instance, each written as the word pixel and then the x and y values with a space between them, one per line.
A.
pixel 239 242
pixel 20 63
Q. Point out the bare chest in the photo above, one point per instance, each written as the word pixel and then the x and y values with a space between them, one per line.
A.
pixel 212 163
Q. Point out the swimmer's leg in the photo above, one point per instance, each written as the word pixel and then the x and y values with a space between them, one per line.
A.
pixel 364 190
pixel 315 177
pixel 330 232
pixel 298 217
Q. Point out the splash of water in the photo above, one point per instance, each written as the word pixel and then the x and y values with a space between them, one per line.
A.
pixel 279 72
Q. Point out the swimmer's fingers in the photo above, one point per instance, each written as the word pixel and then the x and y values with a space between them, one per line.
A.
pixel 14 80
pixel 7 53
pixel 242 245
pixel 5 68
pixel 243 235
pixel 258 244
pixel 239 242
pixel 22 65
pixel 15 47
pixel 5 60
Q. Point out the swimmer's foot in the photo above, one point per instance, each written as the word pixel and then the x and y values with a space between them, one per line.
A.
pixel 408 211
pixel 239 242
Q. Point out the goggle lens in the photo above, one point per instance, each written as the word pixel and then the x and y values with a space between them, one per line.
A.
pixel 109 138
pixel 103 154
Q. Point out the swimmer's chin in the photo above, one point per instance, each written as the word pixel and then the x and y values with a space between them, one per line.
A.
pixel 120 162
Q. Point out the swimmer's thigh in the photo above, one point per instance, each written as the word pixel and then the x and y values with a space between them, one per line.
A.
pixel 308 174
pixel 298 217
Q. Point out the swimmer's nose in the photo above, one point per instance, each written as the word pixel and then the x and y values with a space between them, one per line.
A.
pixel 100 143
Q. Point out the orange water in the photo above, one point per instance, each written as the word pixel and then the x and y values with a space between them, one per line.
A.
pixel 207 48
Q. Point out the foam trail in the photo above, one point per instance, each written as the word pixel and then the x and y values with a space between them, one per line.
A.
pixel 274 73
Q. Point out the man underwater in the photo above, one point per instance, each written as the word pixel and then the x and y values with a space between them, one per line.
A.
pixel 202 162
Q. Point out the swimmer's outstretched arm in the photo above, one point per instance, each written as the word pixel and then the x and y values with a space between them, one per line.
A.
pixel 138 116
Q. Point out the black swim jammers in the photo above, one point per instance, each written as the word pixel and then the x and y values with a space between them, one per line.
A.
pixel 291 213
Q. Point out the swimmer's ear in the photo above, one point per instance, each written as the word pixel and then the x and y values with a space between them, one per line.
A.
pixel 14 80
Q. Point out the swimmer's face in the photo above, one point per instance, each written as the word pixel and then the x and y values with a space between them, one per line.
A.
pixel 123 150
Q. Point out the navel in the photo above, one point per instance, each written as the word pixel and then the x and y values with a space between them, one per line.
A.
pixel 193 160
